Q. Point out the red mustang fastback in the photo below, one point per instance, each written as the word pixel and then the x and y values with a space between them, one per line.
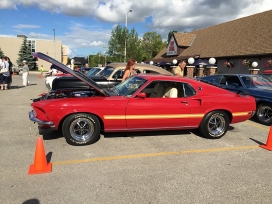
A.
pixel 142 102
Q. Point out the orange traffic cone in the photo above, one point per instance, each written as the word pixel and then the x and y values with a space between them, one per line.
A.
pixel 39 76
pixel 13 74
pixel 40 164
pixel 268 145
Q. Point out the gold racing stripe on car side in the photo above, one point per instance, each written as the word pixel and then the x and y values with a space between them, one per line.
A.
pixel 165 116
pixel 242 113
pixel 114 117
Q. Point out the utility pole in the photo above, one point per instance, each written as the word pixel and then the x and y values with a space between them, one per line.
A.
pixel 125 59
pixel 54 42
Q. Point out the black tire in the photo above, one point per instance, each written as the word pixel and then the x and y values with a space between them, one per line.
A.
pixel 81 129
pixel 264 113
pixel 214 125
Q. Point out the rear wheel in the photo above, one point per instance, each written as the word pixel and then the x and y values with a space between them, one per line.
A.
pixel 214 125
pixel 264 113
pixel 81 129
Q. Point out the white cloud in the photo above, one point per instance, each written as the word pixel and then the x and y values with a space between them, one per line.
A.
pixel 180 15
pixel 183 14
pixel 23 26
pixel 96 44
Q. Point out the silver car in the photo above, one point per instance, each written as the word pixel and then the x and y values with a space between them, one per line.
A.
pixel 15 69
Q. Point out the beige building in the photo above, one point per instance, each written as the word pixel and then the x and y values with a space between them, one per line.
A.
pixel 11 46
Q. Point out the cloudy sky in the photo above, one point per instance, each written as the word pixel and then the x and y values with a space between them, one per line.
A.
pixel 85 25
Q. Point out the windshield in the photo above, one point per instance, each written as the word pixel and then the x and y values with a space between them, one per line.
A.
pixel 130 86
pixel 93 71
pixel 107 71
pixel 257 81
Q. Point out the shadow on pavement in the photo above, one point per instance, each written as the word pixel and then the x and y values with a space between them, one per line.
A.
pixel 32 201
pixel 145 133
pixel 256 141
pixel 53 135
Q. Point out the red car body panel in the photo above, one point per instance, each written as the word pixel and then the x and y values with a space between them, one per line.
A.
pixel 120 113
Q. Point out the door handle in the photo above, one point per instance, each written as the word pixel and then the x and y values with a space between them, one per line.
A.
pixel 186 102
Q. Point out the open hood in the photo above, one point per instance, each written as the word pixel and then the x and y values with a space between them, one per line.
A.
pixel 61 67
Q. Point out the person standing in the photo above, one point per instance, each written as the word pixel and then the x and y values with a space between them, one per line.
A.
pixel 10 73
pixel 179 71
pixel 129 71
pixel 25 73
pixel 5 75
pixel 41 70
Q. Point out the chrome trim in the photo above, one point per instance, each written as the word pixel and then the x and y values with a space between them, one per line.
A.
pixel 33 118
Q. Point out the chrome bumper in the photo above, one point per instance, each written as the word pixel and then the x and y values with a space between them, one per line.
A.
pixel 33 118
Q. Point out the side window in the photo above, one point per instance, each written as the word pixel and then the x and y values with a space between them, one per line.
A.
pixel 118 74
pixel 164 89
pixel 218 80
pixel 137 71
pixel 188 90
pixel 233 81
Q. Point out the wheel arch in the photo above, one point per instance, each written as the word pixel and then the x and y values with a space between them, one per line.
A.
pixel 98 117
pixel 229 114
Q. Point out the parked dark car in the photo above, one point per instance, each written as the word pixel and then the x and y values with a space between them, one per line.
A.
pixel 72 83
pixel 109 77
pixel 258 86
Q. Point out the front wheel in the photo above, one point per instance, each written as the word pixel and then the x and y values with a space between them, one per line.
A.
pixel 264 113
pixel 214 125
pixel 81 129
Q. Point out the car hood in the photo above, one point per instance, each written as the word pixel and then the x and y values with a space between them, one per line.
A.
pixel 61 67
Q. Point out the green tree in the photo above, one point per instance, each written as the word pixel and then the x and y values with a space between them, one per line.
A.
pixel 116 44
pixel 1 53
pixel 134 46
pixel 25 54
pixel 152 44
pixel 138 49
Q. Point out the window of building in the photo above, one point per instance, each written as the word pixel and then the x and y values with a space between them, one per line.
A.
pixel 32 44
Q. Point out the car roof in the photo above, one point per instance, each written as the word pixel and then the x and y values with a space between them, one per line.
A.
pixel 140 65
pixel 154 77
pixel 232 75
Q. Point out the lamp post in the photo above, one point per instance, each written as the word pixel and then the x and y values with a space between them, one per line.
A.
pixel 54 42
pixel 254 66
pixel 211 69
pixel 125 36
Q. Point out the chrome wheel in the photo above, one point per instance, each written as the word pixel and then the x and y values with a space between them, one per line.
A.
pixel 265 114
pixel 216 125
pixel 81 129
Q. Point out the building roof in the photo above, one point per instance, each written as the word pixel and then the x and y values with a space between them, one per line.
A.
pixel 247 36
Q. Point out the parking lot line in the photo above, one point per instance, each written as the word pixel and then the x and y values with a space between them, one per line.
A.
pixel 256 125
pixel 153 155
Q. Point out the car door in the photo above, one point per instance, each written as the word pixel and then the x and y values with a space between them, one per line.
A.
pixel 157 112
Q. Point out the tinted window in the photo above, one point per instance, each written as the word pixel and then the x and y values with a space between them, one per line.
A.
pixel 232 81
pixel 118 74
pixel 107 71
pixel 189 91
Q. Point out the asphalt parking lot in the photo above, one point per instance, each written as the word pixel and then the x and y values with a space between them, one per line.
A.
pixel 148 167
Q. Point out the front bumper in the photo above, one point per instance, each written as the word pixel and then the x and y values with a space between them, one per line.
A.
pixel 45 127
